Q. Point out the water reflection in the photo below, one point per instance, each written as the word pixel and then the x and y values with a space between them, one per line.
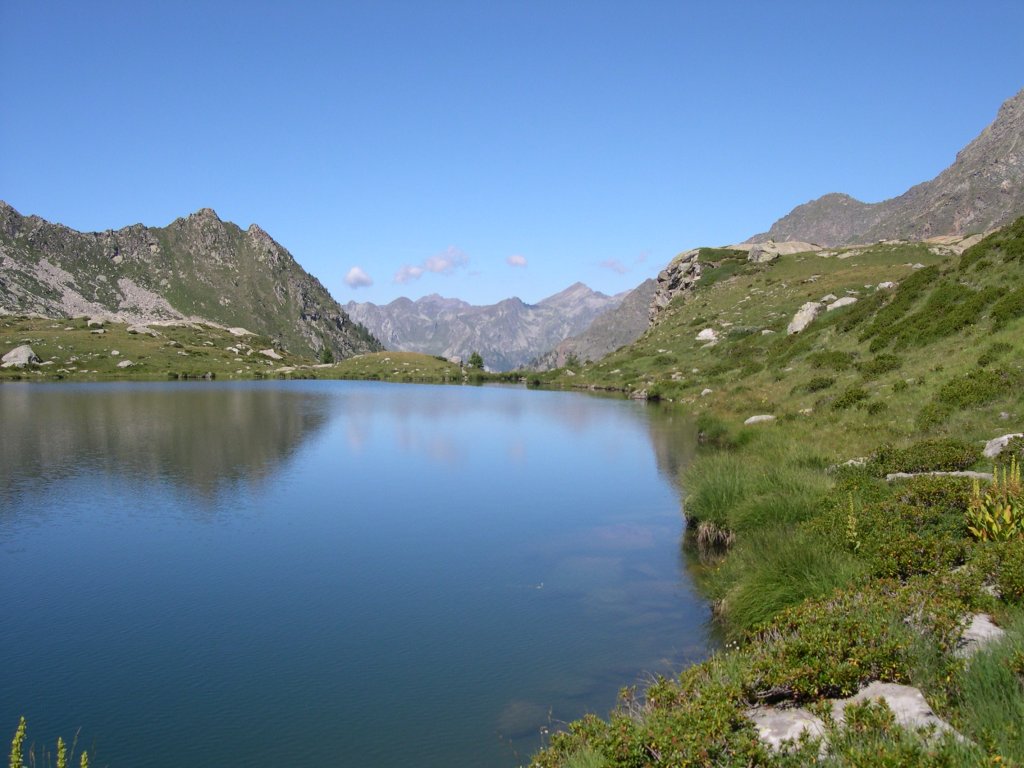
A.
pixel 199 437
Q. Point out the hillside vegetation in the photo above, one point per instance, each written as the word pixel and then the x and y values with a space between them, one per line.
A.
pixel 826 573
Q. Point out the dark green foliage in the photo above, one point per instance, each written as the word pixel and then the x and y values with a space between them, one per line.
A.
pixel 1010 570
pixel 834 645
pixel 907 294
pixel 1006 245
pixel 850 398
pixel 1009 307
pixel 836 361
pixel 326 355
pixel 977 388
pixel 476 361
pixel 876 407
pixel 720 264
pixel 818 383
pixel 944 454
pixel 878 365
pixel 864 309
pixel 993 353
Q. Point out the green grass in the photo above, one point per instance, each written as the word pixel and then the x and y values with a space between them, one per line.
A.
pixel 824 575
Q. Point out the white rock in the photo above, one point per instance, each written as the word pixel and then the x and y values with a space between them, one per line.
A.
pixel 776 726
pixel 917 266
pixel 271 354
pixel 843 302
pixel 94 322
pixel 19 357
pixel 804 316
pixel 995 446
pixel 767 331
pixel 708 334
pixel 125 364
pixel 114 353
pixel 133 329
pixel 760 419
pixel 980 632
pixel 888 285
pixel 705 392
pixel 827 298
pixel 908 706
pixel 239 332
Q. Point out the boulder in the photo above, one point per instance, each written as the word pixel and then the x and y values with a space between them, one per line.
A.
pixel 273 355
pixel 843 302
pixel 804 316
pixel 708 334
pixel 979 633
pixel 888 285
pixel 908 705
pixel 759 419
pixel 19 357
pixel 133 329
pixel 776 725
pixel 994 446
pixel 125 364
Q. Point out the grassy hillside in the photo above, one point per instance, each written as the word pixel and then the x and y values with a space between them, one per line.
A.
pixel 74 350
pixel 824 574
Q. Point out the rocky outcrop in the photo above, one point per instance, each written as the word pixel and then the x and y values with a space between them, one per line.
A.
pixel 997 445
pixel 198 268
pixel 983 189
pixel 679 278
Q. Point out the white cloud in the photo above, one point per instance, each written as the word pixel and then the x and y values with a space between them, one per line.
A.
pixel 408 272
pixel 443 263
pixel 515 260
pixel 357 278
pixel 614 265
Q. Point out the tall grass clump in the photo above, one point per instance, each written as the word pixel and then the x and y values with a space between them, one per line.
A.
pixel 991 695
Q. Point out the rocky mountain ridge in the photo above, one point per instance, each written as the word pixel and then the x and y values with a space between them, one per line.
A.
pixel 198 268
pixel 508 334
pixel 982 190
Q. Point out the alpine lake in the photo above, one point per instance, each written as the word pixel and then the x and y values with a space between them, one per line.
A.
pixel 334 573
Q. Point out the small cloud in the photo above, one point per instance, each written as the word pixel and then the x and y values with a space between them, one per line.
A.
pixel 515 260
pixel 408 272
pixel 357 278
pixel 615 266
pixel 443 263
pixel 641 257
pixel 446 262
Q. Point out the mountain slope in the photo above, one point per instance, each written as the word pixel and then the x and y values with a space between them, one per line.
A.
pixel 508 334
pixel 610 330
pixel 983 189
pixel 196 268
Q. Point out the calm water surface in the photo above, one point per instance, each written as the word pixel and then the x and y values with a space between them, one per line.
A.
pixel 333 573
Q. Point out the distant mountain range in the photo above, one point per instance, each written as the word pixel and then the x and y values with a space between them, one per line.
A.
pixel 983 189
pixel 197 268
pixel 508 334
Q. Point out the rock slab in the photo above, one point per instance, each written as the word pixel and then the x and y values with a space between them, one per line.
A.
pixel 19 357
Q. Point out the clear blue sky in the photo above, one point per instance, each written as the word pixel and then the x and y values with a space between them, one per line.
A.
pixel 435 141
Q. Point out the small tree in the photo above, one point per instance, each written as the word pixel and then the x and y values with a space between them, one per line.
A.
pixel 326 356
pixel 476 361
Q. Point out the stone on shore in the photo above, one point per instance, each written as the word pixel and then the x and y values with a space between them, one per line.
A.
pixel 19 357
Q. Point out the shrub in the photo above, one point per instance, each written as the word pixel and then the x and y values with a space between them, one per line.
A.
pixel 945 454
pixel 818 383
pixel 850 398
pixel 1010 570
pixel 993 353
pixel 1008 308
pixel 878 365
pixel 836 361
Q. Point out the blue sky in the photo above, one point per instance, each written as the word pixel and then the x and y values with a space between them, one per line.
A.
pixel 488 149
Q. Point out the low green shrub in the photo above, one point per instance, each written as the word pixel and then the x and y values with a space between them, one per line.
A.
pixel 978 388
pixel 1009 307
pixel 850 398
pixel 836 361
pixel 944 454
pixel 817 383
pixel 1010 570
pixel 876 366
pixel 993 353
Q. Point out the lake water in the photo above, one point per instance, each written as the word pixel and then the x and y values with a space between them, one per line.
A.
pixel 333 573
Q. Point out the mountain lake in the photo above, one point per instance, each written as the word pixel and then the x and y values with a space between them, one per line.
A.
pixel 334 573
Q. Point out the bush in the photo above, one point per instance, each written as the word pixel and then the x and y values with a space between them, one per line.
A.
pixel 1010 570
pixel 945 454
pixel 875 367
pixel 1008 308
pixel 993 353
pixel 818 383
pixel 836 361
pixel 850 398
